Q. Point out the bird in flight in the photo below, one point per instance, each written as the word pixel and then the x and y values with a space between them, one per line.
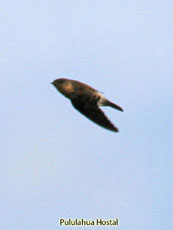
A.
pixel 87 101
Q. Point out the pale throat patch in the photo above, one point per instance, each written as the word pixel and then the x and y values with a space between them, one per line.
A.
pixel 66 89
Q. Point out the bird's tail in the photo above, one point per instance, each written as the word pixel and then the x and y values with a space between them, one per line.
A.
pixel 109 103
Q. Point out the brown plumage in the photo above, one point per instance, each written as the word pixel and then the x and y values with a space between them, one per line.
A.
pixel 87 101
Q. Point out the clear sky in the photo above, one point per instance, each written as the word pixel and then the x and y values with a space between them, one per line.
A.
pixel 55 163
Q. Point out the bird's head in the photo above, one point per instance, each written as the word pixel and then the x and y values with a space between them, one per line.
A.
pixel 64 86
pixel 59 81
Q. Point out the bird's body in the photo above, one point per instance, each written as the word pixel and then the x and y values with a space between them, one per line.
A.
pixel 86 100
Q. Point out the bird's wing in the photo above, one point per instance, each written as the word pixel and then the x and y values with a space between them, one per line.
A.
pixel 89 108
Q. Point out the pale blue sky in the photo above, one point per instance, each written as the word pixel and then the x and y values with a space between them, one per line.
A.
pixel 54 162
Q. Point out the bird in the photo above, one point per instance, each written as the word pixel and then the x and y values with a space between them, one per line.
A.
pixel 87 101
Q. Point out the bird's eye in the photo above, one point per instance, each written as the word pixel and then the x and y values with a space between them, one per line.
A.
pixel 60 81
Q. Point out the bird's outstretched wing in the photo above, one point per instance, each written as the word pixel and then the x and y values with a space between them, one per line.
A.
pixel 88 107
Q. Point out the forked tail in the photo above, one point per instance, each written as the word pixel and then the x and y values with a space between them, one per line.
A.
pixel 109 103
